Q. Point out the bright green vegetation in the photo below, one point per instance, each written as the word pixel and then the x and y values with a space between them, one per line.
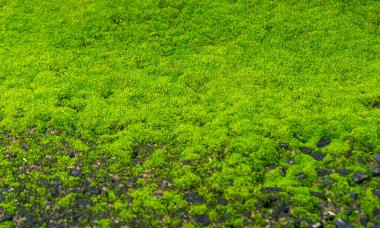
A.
pixel 186 112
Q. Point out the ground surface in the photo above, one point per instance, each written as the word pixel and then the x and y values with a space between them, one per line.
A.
pixel 193 113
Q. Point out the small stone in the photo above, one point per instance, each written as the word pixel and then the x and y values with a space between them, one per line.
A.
pixel 136 161
pixel 291 162
pixel 301 176
pixel 270 189
pixel 323 142
pixel 271 167
pixel 284 146
pixel 317 194
pixel 344 172
pixel 376 211
pixel 203 219
pixel 328 182
pixel 72 155
pixel 189 162
pixel 193 197
pixel 318 156
pixel 225 217
pixel 299 138
pixel 283 171
pixel 317 225
pixel 95 191
pixel 377 158
pixel 323 172
pixel 358 177
pixel 158 193
pixel 222 201
pixel 306 150
pixel 283 208
pixel 136 152
pixel 354 195
pixel 375 171
pixel 376 105
pixel 340 223
pixel 25 148
pixel 55 192
pixel 6 217
pixel 6 133
pixel 364 220
pixel 76 173
pixel 376 192
pixel 246 213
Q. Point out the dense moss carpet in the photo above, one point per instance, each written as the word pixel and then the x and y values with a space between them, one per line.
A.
pixel 169 113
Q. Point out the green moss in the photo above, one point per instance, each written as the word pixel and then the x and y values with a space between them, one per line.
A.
pixel 170 109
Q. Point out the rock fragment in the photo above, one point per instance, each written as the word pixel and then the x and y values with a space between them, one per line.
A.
pixel 203 219
pixel 340 223
pixel 359 177
pixel 306 150
pixel 301 176
pixel 318 156
pixel 323 142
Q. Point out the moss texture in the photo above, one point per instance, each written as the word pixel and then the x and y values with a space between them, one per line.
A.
pixel 170 113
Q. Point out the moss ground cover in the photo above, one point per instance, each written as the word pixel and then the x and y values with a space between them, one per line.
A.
pixel 189 113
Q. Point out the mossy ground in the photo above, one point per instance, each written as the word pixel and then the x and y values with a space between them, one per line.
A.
pixel 189 113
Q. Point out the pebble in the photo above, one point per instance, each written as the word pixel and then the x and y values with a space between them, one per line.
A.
pixel 284 146
pixel 364 220
pixel 340 223
pixel 25 148
pixel 222 201
pixel 6 217
pixel 376 192
pixel 270 189
pixel 317 194
pixel 376 211
pixel 72 155
pixel 283 171
pixel 377 158
pixel 358 177
pixel 344 172
pixel 193 197
pixel 301 176
pixel 299 138
pixel 323 172
pixel 269 168
pixel 317 225
pixel 203 219
pixel 291 162
pixel 354 196
pixel 76 173
pixel 282 208
pixel 375 171
pixel 55 192
pixel 318 156
pixel 306 150
pixel 323 142
pixel 189 162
